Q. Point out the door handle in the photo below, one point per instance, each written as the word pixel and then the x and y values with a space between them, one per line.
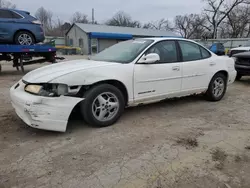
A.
pixel 212 63
pixel 176 68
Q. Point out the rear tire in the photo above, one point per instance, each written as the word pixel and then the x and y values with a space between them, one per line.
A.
pixel 103 105
pixel 217 87
pixel 24 38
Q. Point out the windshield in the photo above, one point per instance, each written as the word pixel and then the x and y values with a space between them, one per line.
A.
pixel 123 52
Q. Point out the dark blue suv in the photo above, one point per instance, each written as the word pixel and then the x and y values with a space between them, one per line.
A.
pixel 218 48
pixel 19 27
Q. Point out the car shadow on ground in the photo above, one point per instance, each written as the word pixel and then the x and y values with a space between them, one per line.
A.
pixel 244 81
pixel 76 122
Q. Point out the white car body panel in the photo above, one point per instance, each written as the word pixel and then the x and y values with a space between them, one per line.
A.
pixel 145 83
pixel 84 72
pixel 42 112
pixel 150 80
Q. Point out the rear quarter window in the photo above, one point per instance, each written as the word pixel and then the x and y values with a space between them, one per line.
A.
pixel 16 15
pixel 204 53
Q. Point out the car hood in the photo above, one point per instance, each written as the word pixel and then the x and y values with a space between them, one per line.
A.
pixel 241 48
pixel 51 72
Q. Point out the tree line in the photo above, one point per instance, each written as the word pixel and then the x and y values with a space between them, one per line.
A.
pixel 218 19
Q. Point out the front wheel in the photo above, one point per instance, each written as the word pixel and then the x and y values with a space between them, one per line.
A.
pixel 103 105
pixel 217 87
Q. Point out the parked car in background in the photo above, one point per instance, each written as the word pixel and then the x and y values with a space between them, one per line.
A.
pixel 242 64
pixel 218 48
pixel 129 73
pixel 239 49
pixel 19 27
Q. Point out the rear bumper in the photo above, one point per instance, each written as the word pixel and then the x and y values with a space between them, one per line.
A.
pixel 40 37
pixel 42 112
pixel 231 76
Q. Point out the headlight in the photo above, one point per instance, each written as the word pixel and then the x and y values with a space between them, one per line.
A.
pixel 33 88
pixel 48 90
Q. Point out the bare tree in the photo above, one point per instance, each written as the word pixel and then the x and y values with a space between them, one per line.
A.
pixel 190 26
pixel 238 22
pixel 124 20
pixel 6 4
pixel 59 28
pixel 217 11
pixel 79 17
pixel 66 26
pixel 45 17
pixel 161 24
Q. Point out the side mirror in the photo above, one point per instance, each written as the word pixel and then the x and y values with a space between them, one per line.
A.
pixel 150 58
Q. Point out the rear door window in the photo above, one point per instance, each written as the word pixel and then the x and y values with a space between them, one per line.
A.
pixel 190 51
pixel 204 53
pixel 7 14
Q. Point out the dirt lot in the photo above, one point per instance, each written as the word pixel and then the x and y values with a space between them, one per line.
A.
pixel 184 143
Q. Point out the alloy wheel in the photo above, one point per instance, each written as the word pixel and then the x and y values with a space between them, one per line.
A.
pixel 218 87
pixel 25 39
pixel 105 106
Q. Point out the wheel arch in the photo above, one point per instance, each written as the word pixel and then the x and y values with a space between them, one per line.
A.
pixel 19 30
pixel 116 83
pixel 223 72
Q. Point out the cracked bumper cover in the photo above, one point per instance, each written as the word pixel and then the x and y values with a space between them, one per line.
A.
pixel 48 113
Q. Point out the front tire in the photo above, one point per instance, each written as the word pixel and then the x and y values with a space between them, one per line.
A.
pixel 217 87
pixel 103 105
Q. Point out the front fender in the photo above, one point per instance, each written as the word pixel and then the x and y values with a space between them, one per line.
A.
pixel 92 76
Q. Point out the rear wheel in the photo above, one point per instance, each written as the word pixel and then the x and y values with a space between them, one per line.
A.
pixel 217 87
pixel 24 38
pixel 103 105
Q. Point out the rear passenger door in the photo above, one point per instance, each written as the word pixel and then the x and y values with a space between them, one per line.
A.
pixel 8 24
pixel 196 67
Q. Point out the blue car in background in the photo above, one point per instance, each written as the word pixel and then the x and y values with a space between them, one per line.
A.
pixel 218 48
pixel 19 27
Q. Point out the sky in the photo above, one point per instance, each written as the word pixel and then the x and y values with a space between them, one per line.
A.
pixel 141 10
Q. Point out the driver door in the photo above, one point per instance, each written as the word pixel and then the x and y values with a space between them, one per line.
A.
pixel 161 79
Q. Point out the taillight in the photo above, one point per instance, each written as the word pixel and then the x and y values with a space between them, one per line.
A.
pixel 37 22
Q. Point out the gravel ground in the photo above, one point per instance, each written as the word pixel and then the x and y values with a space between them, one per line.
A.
pixel 184 143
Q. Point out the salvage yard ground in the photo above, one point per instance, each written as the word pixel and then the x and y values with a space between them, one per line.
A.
pixel 183 143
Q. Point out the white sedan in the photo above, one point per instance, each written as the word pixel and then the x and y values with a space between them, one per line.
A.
pixel 127 74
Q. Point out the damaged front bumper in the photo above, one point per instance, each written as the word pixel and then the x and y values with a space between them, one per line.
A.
pixel 48 113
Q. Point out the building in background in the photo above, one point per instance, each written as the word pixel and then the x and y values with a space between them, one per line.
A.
pixel 93 38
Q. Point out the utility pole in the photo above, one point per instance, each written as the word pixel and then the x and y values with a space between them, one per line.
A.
pixel 93 16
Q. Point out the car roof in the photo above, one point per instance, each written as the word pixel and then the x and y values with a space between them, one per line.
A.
pixel 165 38
pixel 15 10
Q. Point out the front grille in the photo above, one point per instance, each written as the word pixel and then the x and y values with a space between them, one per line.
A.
pixel 242 61
pixel 17 85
